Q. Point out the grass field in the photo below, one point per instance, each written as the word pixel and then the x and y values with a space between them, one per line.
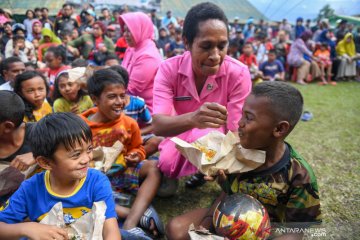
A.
pixel 330 142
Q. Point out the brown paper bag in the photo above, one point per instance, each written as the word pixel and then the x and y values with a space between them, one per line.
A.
pixel 230 156
pixel 89 226
pixel 11 178
pixel 104 157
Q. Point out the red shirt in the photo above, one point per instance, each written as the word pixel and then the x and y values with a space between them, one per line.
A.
pixel 248 60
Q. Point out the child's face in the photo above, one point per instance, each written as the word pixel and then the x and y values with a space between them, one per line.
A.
pixel 111 62
pixel 51 61
pixel 111 102
pixel 65 39
pixel 247 49
pixel 271 57
pixel 257 124
pixel 71 164
pixel 69 90
pixel 34 91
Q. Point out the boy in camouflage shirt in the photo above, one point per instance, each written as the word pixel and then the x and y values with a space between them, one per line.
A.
pixel 285 184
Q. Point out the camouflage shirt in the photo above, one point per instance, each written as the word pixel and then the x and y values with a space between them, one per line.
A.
pixel 288 189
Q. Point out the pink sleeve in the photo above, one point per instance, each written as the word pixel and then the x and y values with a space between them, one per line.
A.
pixel 142 74
pixel 163 91
pixel 238 93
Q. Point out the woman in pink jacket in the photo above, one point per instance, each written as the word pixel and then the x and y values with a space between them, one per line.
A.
pixel 142 58
pixel 197 92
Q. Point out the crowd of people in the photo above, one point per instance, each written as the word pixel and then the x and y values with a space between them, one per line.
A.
pixel 151 79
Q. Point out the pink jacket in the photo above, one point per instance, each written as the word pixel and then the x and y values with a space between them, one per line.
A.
pixel 143 60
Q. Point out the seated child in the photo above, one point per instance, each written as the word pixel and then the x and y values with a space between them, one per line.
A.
pixel 32 88
pixel 69 96
pixel 14 136
pixel 109 124
pixel 65 38
pixel 324 62
pixel 249 59
pixel 111 60
pixel 285 184
pixel 272 69
pixel 61 144
pixel 136 108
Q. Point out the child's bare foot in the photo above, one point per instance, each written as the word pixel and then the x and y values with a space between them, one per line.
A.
pixel 301 82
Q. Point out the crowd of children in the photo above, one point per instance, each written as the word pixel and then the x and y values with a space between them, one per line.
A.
pixel 52 120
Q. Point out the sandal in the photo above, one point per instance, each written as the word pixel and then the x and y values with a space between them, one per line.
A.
pixel 145 220
pixel 134 234
pixel 306 116
pixel 195 181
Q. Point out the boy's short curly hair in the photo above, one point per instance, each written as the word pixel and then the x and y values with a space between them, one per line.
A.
pixel 199 13
pixel 58 128
pixel 285 100
pixel 101 78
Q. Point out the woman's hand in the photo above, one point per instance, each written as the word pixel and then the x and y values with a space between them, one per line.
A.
pixel 209 115
pixel 132 159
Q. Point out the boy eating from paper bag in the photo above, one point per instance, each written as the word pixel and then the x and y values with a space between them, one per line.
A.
pixel 285 184
pixel 62 144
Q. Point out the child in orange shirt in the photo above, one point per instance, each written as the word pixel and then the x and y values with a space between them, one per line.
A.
pixel 109 124
pixel 324 62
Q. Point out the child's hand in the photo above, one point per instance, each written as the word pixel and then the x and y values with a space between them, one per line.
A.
pixel 38 231
pixel 23 162
pixel 209 115
pixel 220 177
pixel 132 159
pixel 75 109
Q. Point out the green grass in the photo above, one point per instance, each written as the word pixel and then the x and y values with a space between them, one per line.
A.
pixel 330 142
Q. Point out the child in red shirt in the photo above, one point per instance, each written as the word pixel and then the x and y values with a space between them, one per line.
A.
pixel 248 58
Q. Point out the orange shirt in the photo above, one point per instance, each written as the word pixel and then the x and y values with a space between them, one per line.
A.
pixel 124 129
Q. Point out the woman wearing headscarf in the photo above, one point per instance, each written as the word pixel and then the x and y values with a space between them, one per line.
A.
pixel 48 39
pixel 36 31
pixel 142 58
pixel 296 58
pixel 345 50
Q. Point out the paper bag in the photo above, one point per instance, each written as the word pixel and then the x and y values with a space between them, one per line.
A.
pixel 202 234
pixel 229 155
pixel 89 226
pixel 104 157
pixel 11 178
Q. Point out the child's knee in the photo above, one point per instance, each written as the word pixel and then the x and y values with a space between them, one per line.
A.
pixel 150 168
pixel 175 230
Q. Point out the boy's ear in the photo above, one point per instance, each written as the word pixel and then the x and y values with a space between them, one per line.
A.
pixel 8 126
pixel 43 162
pixel 94 99
pixel 186 43
pixel 281 129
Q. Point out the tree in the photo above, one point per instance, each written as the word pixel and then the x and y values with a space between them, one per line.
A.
pixel 325 12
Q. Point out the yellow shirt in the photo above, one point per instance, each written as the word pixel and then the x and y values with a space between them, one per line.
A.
pixel 63 105
pixel 41 112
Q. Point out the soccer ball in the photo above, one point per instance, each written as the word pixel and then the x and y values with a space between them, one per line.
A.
pixel 240 216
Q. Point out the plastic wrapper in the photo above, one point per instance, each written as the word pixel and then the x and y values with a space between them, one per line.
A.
pixel 89 226
pixel 104 157
pixel 202 234
pixel 216 151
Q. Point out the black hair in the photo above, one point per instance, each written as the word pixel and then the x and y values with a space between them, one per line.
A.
pixel 29 108
pixel 324 44
pixel 18 37
pixel 97 82
pixel 58 128
pixel 44 8
pixel 273 51
pixel 199 13
pixel 57 93
pixel 29 10
pixel 104 9
pixel 5 64
pixel 34 65
pixel 67 4
pixel 79 63
pixel 64 33
pixel 58 52
pixel 286 101
pixel 37 9
pixel 123 72
pixel 111 56
pixel 12 107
